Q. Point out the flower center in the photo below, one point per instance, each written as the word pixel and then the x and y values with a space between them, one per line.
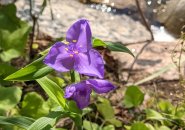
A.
pixel 76 52
pixel 71 50
pixel 74 40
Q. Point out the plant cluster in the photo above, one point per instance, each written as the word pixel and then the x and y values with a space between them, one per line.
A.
pixel 65 82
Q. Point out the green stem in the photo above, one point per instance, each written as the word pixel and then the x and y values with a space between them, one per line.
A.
pixel 75 77
pixel 72 73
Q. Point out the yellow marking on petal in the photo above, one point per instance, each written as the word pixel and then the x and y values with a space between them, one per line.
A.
pixel 74 40
pixel 65 42
pixel 71 55
pixel 66 49
pixel 76 52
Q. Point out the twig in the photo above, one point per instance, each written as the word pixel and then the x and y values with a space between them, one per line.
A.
pixel 144 19
pixel 148 42
pixel 34 19
pixel 136 58
pixel 51 10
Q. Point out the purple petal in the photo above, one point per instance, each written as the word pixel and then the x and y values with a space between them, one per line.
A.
pixel 80 94
pixel 90 63
pixel 69 91
pixel 58 58
pixel 80 33
pixel 100 86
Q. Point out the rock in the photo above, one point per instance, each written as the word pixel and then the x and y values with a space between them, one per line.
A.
pixel 106 26
pixel 155 56
pixel 120 4
pixel 172 15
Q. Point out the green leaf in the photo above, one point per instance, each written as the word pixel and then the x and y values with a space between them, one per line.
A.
pixel 153 115
pixel 166 107
pixel 33 105
pixel 115 122
pixel 150 127
pixel 58 129
pixel 109 127
pixel 13 33
pixel 9 98
pixel 133 97
pixel 23 122
pixel 73 107
pixel 53 90
pixel 77 118
pixel 139 126
pixel 9 54
pixel 45 123
pixel 112 46
pixel 57 95
pixel 105 108
pixel 35 70
pixel 90 126
pixel 7 70
pixel 87 110
pixel 98 42
pixel 8 17
pixel 118 47
pixel 163 128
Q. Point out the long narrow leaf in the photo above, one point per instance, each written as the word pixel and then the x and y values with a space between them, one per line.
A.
pixel 118 47
pixel 23 122
pixel 53 90
pixel 35 70
pixel 155 74
pixel 46 122
pixel 112 46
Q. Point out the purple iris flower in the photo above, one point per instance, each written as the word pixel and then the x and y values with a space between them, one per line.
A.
pixel 80 92
pixel 76 52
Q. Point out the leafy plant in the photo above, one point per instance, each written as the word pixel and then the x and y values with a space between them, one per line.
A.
pixel 133 97
pixel 13 33
pixel 9 98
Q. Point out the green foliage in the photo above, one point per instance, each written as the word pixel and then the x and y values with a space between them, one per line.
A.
pixel 13 37
pixel 106 110
pixel 93 126
pixel 167 115
pixel 112 46
pixel 109 127
pixel 13 33
pixel 7 70
pixel 9 98
pixel 98 42
pixel 163 128
pixel 33 105
pixel 53 90
pixel 166 106
pixel 45 123
pixel 35 70
pixel 21 121
pixel 133 97
pixel 154 115
pixel 139 126
pixel 90 126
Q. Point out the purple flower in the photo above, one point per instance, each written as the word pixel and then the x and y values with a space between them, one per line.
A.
pixel 80 92
pixel 76 53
